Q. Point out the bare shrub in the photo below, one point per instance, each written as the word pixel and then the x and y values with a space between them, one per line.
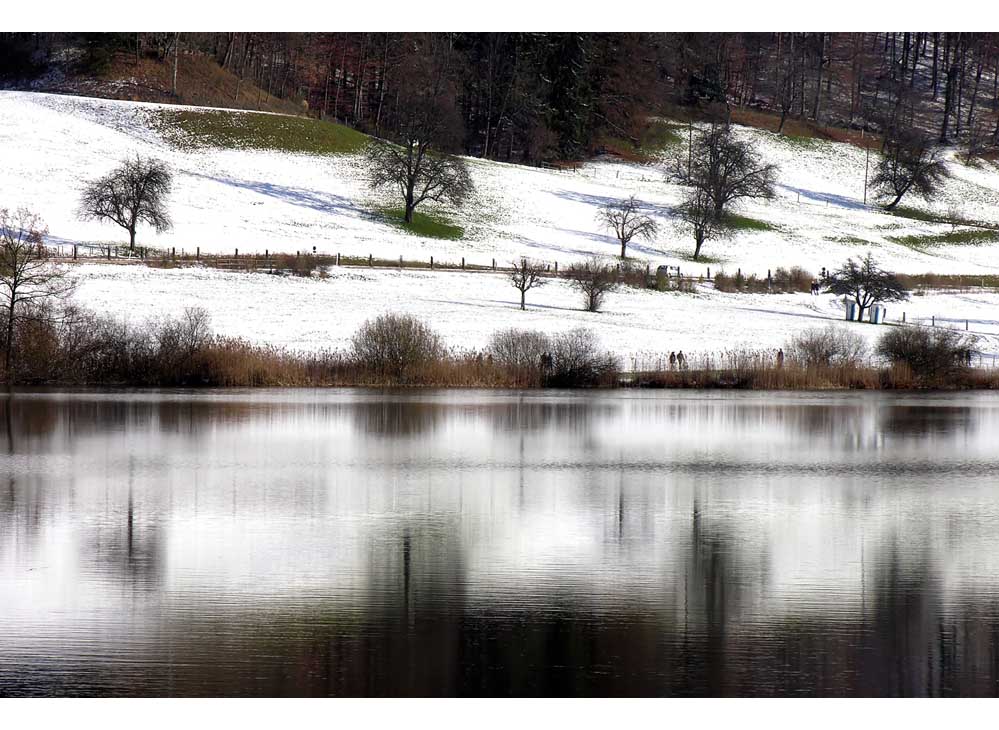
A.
pixel 740 283
pixel 829 347
pixel 396 345
pixel 932 353
pixel 578 361
pixel 795 279
pixel 594 280
pixel 521 352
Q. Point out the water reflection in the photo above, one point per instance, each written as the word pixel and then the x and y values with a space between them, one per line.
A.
pixel 360 543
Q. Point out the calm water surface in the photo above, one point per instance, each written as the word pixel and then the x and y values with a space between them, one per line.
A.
pixel 471 543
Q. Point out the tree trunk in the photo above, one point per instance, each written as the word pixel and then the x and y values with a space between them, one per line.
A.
pixel 624 245
pixel 9 350
pixel 523 296
pixel 131 238
pixel 699 241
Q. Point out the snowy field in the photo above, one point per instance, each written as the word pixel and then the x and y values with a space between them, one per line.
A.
pixel 314 314
pixel 255 200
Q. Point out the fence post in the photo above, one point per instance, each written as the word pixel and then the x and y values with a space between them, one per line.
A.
pixel 400 261
pixel 965 325
pixel 109 253
pixel 903 317
pixel 337 258
pixel 494 264
pixel 709 273
pixel 462 262
pixel 556 268
pixel 431 263
pixel 933 319
pixel 237 253
pixel 173 253
pixel 370 260
pixel 198 254
pixel 74 252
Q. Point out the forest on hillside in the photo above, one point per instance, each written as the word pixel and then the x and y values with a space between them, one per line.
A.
pixel 530 97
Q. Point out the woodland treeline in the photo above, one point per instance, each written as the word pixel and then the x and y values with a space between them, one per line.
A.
pixel 533 96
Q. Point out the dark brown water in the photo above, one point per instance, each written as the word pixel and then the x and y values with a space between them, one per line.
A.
pixel 469 543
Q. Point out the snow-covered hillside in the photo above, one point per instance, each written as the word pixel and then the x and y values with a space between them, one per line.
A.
pixel 257 200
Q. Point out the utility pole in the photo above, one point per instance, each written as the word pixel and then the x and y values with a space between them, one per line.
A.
pixel 176 54
pixel 867 167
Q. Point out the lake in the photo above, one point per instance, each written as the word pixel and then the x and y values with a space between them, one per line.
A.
pixel 350 542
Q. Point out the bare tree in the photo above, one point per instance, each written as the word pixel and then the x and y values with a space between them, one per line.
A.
pixel 726 169
pixel 527 275
pixel 425 124
pixel 134 192
pixel 909 163
pixel 418 173
pixel 627 219
pixel 594 280
pixel 27 277
pixel 696 214
pixel 866 283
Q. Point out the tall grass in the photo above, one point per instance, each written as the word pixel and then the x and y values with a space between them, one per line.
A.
pixel 73 346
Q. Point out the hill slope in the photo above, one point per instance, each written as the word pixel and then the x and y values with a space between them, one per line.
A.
pixel 291 183
pixel 257 182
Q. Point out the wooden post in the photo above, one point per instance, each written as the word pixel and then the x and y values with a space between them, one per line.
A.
pixel 400 261
pixel 966 325
pixel 337 258
pixel 431 263
pixel 903 317
pixel 463 263
pixel 556 268
pixel 198 254
pixel 494 264
pixel 369 260
pixel 709 273
pixel 74 252
pixel 237 253
pixel 109 253
pixel 173 253
pixel 933 319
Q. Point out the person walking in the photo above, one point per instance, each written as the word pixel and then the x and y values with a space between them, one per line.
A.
pixel 681 360
pixel 672 361
pixel 780 358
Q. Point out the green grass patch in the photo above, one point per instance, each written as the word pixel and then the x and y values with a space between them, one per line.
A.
pixel 688 255
pixel 950 238
pixel 253 130
pixel 800 141
pixel 745 223
pixel 427 225
pixel 853 240
pixel 928 217
pixel 655 138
